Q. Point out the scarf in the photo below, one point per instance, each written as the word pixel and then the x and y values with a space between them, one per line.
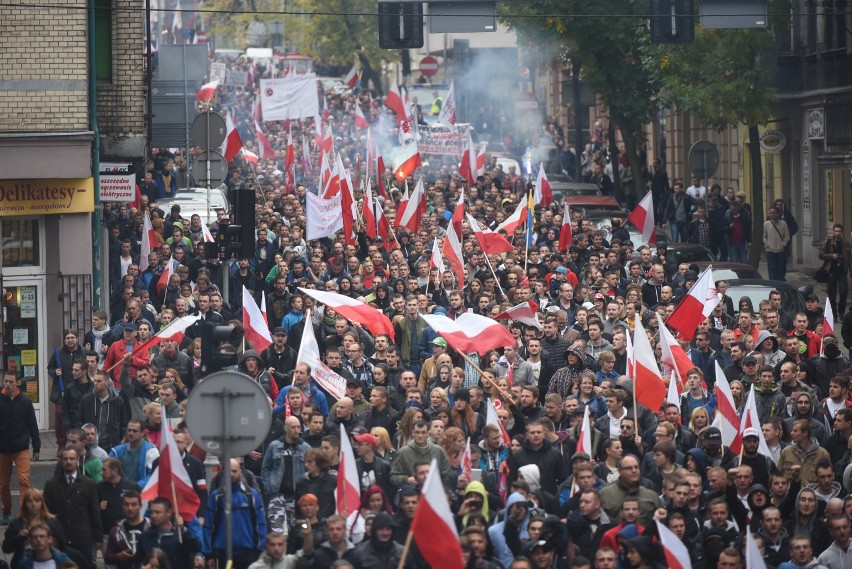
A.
pixel 99 342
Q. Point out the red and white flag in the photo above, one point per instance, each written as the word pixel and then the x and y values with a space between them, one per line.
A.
pixel 171 481
pixel 492 419
pixel 751 419
pixel 348 204
pixel 147 238
pixel 394 102
pixel 436 259
pixel 584 442
pixel 250 156
pixel 351 78
pixel 263 144
pixel 753 557
pixel 470 333
pixel 207 91
pixel 458 215
pixel 677 555
pixel 326 143
pixel 480 159
pixel 206 235
pixel 232 144
pixel 410 215
pixel 696 306
pixel 263 307
pixel 375 222
pixel 257 329
pixel 467 167
pixel 630 354
pixel 409 161
pixel 348 482
pixel 466 460
pixel 174 331
pixel 370 318
pixel 673 393
pixel 828 320
pixel 321 373
pixel 433 526
pixel 360 119
pixel 290 165
pixel 447 115
pixel 307 165
pixel 452 250
pixel 566 237
pixel 491 243
pixel 524 312
pixel 163 281
pixel 512 222
pixel 729 418
pixel 647 382
pixel 672 354
pixel 543 194
pixel 642 217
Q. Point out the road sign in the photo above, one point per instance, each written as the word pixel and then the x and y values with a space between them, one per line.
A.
pixel 218 168
pixel 228 406
pixel 428 66
pixel 703 159
pixel 209 130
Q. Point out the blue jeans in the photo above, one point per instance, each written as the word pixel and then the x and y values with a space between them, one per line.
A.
pixel 776 264
pixel 737 253
pixel 680 230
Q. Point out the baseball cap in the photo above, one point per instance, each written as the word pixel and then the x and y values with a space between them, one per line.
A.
pixel 366 438
pixel 279 330
pixel 812 297
pixel 561 270
pixel 354 382
pixel 713 436
pixel 440 342
pixel 749 360
pixel 580 456
pixel 130 326
pixel 751 432
pixel 540 544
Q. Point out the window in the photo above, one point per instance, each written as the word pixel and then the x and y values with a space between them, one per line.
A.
pixel 19 239
pixel 103 40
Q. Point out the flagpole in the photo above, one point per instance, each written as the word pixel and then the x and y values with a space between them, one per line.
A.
pixel 174 498
pixel 487 262
pixel 405 550
pixel 499 389
pixel 528 236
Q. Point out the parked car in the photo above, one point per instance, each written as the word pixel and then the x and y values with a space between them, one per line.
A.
pixel 729 271
pixel 202 201
pixel 690 253
pixel 792 300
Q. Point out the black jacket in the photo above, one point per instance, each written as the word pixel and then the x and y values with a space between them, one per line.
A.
pixel 381 473
pixel 550 464
pixel 113 494
pixel 18 425
pixel 77 507
pixel 71 402
pixel 108 416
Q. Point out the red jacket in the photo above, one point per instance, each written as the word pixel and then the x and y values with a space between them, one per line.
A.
pixel 814 342
pixel 116 352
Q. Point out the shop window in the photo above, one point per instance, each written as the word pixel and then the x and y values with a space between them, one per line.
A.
pixel 20 242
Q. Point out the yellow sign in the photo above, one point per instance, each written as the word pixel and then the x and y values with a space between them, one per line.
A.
pixel 48 196
pixel 29 357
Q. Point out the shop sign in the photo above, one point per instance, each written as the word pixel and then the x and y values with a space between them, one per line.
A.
pixel 47 196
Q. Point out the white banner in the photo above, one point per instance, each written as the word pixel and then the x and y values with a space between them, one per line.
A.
pixel 321 373
pixel 236 78
pixel 324 217
pixel 438 139
pixel 117 188
pixel 293 97
pixel 218 71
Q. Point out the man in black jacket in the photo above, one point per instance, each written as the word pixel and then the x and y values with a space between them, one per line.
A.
pixel 18 427
pixel 279 357
pixel 74 500
pixel 372 470
pixel 111 492
pixel 536 450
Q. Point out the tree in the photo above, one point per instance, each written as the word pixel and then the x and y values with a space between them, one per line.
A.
pixel 609 51
pixel 723 79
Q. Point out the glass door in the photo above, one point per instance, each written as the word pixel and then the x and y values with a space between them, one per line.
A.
pixel 22 344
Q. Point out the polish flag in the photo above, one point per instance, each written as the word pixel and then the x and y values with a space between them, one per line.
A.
pixel 492 419
pixel 409 161
pixel 466 460
pixel 673 394
pixel 433 526
pixel 321 373
pixel 447 115
pixel 370 318
pixel 326 175
pixel 458 214
pixel 677 555
pixel 380 172
pixel 480 159
pixel 753 557
pixel 673 355
pixel 360 119
pixel 467 168
pixel 351 78
pixel 174 331
pixel 631 355
pixel 828 320
pixel 584 443
pixel 348 204
pixel 518 217
pixel 375 224
pixel 470 333
pixel 257 329
pixel 647 382
pixel 171 481
pixel 232 144
pixel 729 422
pixel 163 282
pixel 290 165
pixel 411 214
pixel 523 312
pixel 452 250
pixel 266 150
pixel 205 94
pixel 148 238
pixel 348 482
pixel 543 193
pixel 206 235
pixel 436 260
pixel 565 236
pixel 643 218
pixel 326 143
pixel 696 306
pixel 394 102
pixel 250 156
pixel 263 307
pixel 752 419
pixel 307 165
pixel 491 243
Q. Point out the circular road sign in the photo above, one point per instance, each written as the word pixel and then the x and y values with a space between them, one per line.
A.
pixel 248 409
pixel 218 168
pixel 428 66
pixel 703 159
pixel 208 124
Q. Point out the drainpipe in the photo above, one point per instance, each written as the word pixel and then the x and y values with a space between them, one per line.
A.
pixel 96 161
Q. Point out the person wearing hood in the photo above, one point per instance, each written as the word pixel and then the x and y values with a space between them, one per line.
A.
pixel 767 345
pixel 530 474
pixel 253 366
pixel 420 449
pixel 776 540
pixel 380 551
pixel 507 535
pixel 803 407
pixel 474 500
pixel 828 364
pixel 806 522
pixel 642 553
pixel 536 449
pixel 768 398
pixel 826 487
pixel 566 377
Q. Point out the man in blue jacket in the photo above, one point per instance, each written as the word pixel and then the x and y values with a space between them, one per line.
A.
pixel 248 522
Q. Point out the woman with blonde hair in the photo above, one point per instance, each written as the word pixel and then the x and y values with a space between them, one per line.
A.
pixel 33 512
pixel 700 418
pixel 384 448
pixel 153 427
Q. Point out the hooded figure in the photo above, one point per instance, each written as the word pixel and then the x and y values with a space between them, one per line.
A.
pixel 829 364
pixel 257 372
pixel 507 535
pixel 648 551
pixel 564 379
pixel 380 551
pixel 772 356
pixel 794 413
pixel 756 504
pixel 697 455
pixel 808 523
pixel 477 488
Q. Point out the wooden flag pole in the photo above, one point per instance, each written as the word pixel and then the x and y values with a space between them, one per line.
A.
pixel 174 499
pixel 508 397
pixel 406 548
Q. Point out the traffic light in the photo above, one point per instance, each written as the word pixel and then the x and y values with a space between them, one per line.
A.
pixel 400 25
pixel 244 223
pixel 672 21
pixel 218 347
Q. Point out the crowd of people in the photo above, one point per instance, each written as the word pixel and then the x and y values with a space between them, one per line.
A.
pixel 528 498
